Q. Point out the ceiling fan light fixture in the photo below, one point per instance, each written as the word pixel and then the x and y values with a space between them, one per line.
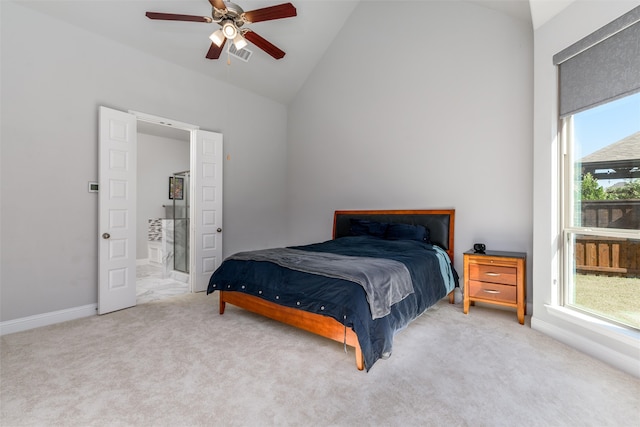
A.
pixel 217 37
pixel 239 42
pixel 229 29
pixel 230 20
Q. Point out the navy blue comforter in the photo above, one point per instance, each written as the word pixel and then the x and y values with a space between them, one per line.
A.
pixel 343 300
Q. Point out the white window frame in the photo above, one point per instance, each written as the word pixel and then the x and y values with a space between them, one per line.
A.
pixel 567 258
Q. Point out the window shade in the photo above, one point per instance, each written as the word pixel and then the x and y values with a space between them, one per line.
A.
pixel 601 67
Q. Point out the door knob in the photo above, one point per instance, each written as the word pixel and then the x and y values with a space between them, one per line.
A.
pixel 106 235
pixel 219 230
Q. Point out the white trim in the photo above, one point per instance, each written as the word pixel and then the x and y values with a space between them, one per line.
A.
pixel 142 261
pixel 607 232
pixel 625 337
pixel 610 330
pixel 163 121
pixel 150 118
pixel 46 319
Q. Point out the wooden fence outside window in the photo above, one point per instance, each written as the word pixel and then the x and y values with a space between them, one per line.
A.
pixel 606 255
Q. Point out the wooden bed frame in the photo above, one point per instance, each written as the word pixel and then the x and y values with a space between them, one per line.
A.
pixel 441 226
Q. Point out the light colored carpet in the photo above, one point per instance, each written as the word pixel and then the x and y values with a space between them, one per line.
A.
pixel 177 362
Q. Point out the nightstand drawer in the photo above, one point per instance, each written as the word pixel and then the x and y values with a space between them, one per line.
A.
pixel 492 291
pixel 493 273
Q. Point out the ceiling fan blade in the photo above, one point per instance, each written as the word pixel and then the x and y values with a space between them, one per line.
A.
pixel 215 51
pixel 264 44
pixel 218 4
pixel 177 17
pixel 285 10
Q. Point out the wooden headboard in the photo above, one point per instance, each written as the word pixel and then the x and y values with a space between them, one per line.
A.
pixel 440 222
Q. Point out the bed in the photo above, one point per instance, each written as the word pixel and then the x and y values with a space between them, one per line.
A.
pixel 294 285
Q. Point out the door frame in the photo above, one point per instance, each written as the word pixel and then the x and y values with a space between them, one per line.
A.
pixel 163 121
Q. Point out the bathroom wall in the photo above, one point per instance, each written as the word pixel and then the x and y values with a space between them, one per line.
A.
pixel 158 158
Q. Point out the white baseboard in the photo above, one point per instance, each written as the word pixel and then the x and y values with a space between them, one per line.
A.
pixel 46 319
pixel 142 261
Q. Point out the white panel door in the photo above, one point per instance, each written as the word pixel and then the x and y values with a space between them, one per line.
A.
pixel 117 210
pixel 206 227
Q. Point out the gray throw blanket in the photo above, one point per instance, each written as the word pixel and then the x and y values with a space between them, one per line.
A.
pixel 385 281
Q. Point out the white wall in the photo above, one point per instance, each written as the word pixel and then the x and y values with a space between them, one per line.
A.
pixel 54 76
pixel 577 21
pixel 438 116
pixel 158 159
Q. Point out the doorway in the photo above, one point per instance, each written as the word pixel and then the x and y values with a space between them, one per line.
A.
pixel 163 200
pixel 117 210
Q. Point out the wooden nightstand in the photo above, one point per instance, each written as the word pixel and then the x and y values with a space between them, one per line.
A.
pixel 495 277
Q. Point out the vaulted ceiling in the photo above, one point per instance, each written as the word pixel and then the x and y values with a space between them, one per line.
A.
pixel 305 38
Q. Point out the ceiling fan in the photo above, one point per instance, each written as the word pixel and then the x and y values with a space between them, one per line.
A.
pixel 231 18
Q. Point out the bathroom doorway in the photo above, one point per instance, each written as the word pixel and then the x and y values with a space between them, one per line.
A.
pixel 118 213
pixel 163 200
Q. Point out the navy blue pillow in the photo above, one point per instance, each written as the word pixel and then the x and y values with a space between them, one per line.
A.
pixel 407 232
pixel 362 227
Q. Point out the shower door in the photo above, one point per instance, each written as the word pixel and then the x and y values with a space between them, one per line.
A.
pixel 181 221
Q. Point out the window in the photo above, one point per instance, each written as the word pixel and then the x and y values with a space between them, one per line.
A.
pixel 602 211
pixel 599 106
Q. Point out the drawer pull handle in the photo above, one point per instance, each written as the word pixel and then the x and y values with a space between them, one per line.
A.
pixel 490 291
pixel 492 274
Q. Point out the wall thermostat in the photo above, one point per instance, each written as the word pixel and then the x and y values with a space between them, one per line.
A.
pixel 93 187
